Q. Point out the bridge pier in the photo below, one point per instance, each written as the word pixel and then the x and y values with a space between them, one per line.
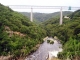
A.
pixel 31 17
pixel 61 16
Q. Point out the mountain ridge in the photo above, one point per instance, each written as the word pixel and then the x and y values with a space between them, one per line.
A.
pixel 41 17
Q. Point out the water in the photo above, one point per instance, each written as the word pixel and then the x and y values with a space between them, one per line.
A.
pixel 44 49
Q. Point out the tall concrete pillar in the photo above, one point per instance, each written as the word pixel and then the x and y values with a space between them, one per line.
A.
pixel 31 17
pixel 61 16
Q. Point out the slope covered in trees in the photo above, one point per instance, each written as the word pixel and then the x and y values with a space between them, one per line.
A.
pixel 18 36
pixel 41 17
pixel 68 33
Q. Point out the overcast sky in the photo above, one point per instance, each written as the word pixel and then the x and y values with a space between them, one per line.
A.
pixel 73 3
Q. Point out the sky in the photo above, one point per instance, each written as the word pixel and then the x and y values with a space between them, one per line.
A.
pixel 72 3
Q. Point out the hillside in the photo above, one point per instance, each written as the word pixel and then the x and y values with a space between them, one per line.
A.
pixel 68 33
pixel 18 36
pixel 41 17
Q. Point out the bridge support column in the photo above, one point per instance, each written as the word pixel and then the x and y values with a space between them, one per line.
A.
pixel 31 17
pixel 61 16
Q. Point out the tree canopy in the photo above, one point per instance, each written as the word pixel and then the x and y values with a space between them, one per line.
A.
pixel 18 36
pixel 68 33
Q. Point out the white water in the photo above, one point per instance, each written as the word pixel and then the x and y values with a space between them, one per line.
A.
pixel 46 50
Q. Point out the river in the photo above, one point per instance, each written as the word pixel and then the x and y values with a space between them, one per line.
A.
pixel 44 49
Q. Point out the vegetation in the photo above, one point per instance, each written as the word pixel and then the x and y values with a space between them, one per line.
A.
pixel 41 17
pixel 50 41
pixel 18 36
pixel 68 33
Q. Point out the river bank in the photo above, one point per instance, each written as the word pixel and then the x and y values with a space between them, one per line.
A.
pixel 39 52
pixel 54 58
pixel 44 49
pixel 10 57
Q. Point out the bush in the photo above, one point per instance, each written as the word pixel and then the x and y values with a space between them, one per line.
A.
pixel 50 42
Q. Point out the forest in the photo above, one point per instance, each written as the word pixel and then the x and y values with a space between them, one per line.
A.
pixel 68 33
pixel 41 17
pixel 18 36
